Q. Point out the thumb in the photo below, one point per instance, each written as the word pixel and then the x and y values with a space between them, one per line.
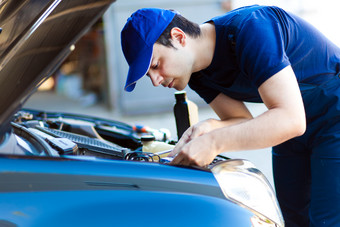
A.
pixel 175 151
pixel 185 139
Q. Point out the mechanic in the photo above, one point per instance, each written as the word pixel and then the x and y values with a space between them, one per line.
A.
pixel 253 54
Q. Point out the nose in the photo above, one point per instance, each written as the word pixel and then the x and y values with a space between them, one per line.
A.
pixel 156 79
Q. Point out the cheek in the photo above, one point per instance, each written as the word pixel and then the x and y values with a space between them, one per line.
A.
pixel 183 62
pixel 173 66
pixel 168 68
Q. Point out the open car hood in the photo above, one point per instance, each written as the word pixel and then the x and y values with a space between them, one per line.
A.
pixel 37 35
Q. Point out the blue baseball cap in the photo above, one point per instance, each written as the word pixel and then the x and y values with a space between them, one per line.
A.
pixel 138 36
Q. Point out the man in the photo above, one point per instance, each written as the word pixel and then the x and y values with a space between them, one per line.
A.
pixel 255 54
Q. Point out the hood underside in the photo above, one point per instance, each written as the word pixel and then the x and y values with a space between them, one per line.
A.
pixel 36 37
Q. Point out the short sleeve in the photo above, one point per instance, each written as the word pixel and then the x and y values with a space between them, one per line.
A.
pixel 260 46
pixel 199 84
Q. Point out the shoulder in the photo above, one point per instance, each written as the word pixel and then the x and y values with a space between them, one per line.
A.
pixel 254 16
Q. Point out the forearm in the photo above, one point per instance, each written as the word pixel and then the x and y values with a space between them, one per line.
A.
pixel 269 129
pixel 284 119
pixel 216 124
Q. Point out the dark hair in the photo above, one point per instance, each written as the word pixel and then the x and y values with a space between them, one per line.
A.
pixel 190 28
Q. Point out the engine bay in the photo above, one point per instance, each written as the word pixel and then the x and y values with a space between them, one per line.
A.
pixel 40 133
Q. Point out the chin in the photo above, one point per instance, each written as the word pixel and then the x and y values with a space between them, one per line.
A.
pixel 179 89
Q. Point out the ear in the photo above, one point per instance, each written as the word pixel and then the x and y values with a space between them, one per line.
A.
pixel 178 36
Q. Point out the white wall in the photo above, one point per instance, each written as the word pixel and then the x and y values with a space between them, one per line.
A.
pixel 324 15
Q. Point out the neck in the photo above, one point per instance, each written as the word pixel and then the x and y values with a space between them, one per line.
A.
pixel 205 47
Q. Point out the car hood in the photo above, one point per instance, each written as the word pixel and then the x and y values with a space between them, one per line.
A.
pixel 36 36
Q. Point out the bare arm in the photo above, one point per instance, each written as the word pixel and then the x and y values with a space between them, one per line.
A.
pixel 229 110
pixel 284 119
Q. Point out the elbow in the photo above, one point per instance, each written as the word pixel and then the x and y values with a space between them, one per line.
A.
pixel 293 125
pixel 301 129
pixel 298 126
pixel 292 130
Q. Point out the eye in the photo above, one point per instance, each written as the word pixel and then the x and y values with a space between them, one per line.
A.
pixel 155 66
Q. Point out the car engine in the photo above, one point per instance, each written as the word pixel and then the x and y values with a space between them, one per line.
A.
pixel 42 133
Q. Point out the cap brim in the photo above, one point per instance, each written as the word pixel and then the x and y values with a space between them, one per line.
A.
pixel 138 68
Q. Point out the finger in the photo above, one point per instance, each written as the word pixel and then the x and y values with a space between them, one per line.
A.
pixel 177 160
pixel 172 153
pixel 195 132
pixel 176 150
pixel 184 140
pixel 183 159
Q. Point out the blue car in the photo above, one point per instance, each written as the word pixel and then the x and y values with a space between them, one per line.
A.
pixel 61 169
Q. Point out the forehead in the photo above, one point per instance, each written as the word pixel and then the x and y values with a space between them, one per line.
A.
pixel 160 50
pixel 157 47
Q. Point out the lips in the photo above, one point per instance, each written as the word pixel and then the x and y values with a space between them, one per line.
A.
pixel 171 84
pixel 166 84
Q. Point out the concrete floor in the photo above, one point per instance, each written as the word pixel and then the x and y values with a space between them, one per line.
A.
pixel 49 101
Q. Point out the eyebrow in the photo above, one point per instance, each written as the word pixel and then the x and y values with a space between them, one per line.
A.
pixel 147 73
pixel 151 62
pixel 152 59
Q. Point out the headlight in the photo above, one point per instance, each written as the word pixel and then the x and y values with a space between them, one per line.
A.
pixel 245 185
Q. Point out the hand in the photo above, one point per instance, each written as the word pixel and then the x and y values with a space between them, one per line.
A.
pixel 191 148
pixel 199 152
pixel 192 133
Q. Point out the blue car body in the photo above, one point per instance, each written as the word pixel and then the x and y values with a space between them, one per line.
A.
pixel 82 174
pixel 71 192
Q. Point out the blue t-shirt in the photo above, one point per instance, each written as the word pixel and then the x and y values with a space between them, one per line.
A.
pixel 268 39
